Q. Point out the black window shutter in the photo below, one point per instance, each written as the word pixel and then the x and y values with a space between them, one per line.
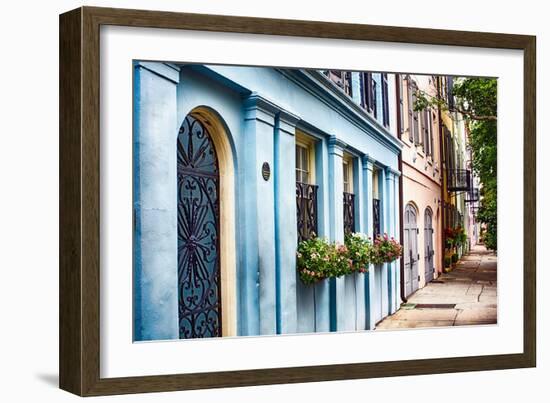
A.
pixel 410 109
pixel 362 89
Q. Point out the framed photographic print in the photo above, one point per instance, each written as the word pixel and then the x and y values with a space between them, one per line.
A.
pixel 249 201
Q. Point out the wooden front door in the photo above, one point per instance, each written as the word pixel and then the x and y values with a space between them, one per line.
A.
pixel 410 240
pixel 428 247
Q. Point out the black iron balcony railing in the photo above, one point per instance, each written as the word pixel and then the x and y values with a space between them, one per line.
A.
pixel 306 209
pixel 458 180
pixel 375 217
pixel 349 213
pixel 472 196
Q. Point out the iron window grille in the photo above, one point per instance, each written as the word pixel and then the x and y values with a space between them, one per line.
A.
pixel 306 210
pixel 458 180
pixel 375 217
pixel 349 213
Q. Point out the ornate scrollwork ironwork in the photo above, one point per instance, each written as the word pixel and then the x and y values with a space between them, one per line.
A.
pixel 306 209
pixel 349 213
pixel 376 217
pixel 199 292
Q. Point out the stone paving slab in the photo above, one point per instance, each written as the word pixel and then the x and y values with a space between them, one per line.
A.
pixel 477 314
pixel 474 289
pixel 470 287
pixel 405 324
pixel 488 292
pixel 488 299
pixel 475 305
pixel 423 314
pixel 444 299
pixel 474 323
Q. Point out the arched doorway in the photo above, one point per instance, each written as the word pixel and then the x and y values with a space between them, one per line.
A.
pixel 428 246
pixel 410 241
pixel 199 234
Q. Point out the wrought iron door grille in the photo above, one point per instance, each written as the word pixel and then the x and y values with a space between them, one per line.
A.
pixel 349 213
pixel 458 180
pixel 306 210
pixel 376 217
pixel 199 288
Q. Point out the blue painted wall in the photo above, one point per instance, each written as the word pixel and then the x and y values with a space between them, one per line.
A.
pixel 261 109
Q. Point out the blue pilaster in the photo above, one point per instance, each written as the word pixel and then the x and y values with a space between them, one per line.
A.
pixel 259 299
pixel 321 293
pixel 371 304
pixel 155 203
pixel 336 220
pixel 360 226
pixel 385 227
pixel 285 222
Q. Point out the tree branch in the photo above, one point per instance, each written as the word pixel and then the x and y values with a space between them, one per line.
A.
pixel 469 114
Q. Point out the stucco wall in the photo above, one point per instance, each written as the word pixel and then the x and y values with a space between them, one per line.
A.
pixel 422 193
pixel 260 110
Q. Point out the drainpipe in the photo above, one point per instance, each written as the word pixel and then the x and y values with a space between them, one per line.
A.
pixel 398 89
pixel 443 183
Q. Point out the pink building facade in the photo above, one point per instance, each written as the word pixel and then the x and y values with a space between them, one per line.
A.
pixel 421 185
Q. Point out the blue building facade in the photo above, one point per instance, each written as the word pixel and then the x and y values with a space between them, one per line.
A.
pixel 275 151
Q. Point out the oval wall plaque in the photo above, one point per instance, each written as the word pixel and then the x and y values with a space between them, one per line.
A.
pixel 266 171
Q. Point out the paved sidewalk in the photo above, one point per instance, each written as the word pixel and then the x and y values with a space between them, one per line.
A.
pixel 465 296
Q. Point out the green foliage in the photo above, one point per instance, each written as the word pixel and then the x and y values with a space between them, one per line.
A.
pixel 476 97
pixel 318 259
pixel 447 261
pixel 481 96
pixel 385 250
pixel 454 258
pixel 476 100
pixel 359 251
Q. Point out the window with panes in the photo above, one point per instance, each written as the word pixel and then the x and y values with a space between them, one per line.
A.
pixel 368 93
pixel 385 101
pixel 417 139
pixel 306 191
pixel 348 197
pixel 342 79
pixel 399 82
pixel 410 111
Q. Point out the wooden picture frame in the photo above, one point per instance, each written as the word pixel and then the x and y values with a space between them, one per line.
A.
pixel 79 201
